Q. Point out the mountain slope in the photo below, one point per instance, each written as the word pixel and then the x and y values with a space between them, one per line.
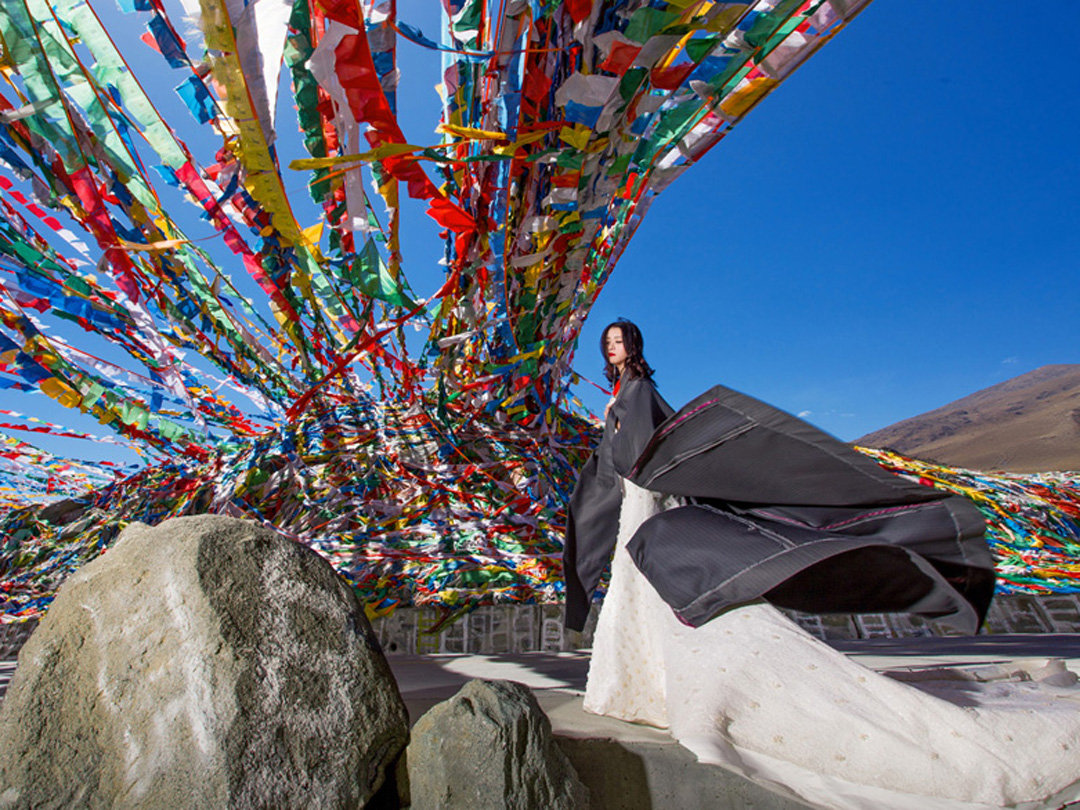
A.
pixel 1030 423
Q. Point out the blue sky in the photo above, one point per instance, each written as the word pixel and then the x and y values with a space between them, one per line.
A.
pixel 892 229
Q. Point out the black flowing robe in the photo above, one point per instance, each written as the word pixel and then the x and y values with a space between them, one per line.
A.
pixel 779 510
pixel 592 521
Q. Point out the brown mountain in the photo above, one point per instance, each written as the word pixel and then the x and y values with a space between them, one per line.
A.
pixel 1030 423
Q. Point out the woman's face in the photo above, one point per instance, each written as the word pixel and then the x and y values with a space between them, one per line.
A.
pixel 613 345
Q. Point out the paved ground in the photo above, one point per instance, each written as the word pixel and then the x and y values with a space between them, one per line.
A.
pixel 558 679
pixel 633 767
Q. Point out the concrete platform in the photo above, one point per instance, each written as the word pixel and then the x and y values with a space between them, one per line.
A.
pixel 633 767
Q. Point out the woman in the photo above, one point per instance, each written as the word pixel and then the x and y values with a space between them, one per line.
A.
pixel 603 500
pixel 783 512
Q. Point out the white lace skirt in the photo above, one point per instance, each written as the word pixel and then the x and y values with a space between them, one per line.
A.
pixel 628 667
pixel 752 691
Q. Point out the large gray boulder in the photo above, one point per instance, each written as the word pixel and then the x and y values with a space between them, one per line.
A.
pixel 490 747
pixel 204 663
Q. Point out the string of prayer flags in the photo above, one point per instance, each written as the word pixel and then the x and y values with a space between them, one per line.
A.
pixel 235 303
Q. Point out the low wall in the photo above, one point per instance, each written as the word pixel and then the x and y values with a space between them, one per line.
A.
pixel 485 631
pixel 539 628
pixel 532 628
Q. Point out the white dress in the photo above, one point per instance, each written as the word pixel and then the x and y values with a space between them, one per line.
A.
pixel 752 691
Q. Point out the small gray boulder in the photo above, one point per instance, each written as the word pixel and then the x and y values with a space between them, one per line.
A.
pixel 204 663
pixel 490 747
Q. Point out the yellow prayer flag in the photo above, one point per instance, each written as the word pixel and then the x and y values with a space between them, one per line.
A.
pixel 471 133
pixel 60 391
pixel 576 136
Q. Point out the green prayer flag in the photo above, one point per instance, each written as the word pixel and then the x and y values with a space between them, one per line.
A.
pixel 698 49
pixel 647 22
pixel 373 279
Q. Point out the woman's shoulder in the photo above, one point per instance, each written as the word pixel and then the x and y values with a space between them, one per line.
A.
pixel 637 388
pixel 639 391
pixel 637 384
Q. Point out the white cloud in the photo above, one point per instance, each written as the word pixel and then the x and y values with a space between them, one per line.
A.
pixel 1010 361
pixel 804 414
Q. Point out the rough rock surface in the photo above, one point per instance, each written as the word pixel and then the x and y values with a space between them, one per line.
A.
pixel 490 746
pixel 203 663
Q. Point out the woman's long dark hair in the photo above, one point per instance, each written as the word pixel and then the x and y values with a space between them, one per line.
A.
pixel 634 344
